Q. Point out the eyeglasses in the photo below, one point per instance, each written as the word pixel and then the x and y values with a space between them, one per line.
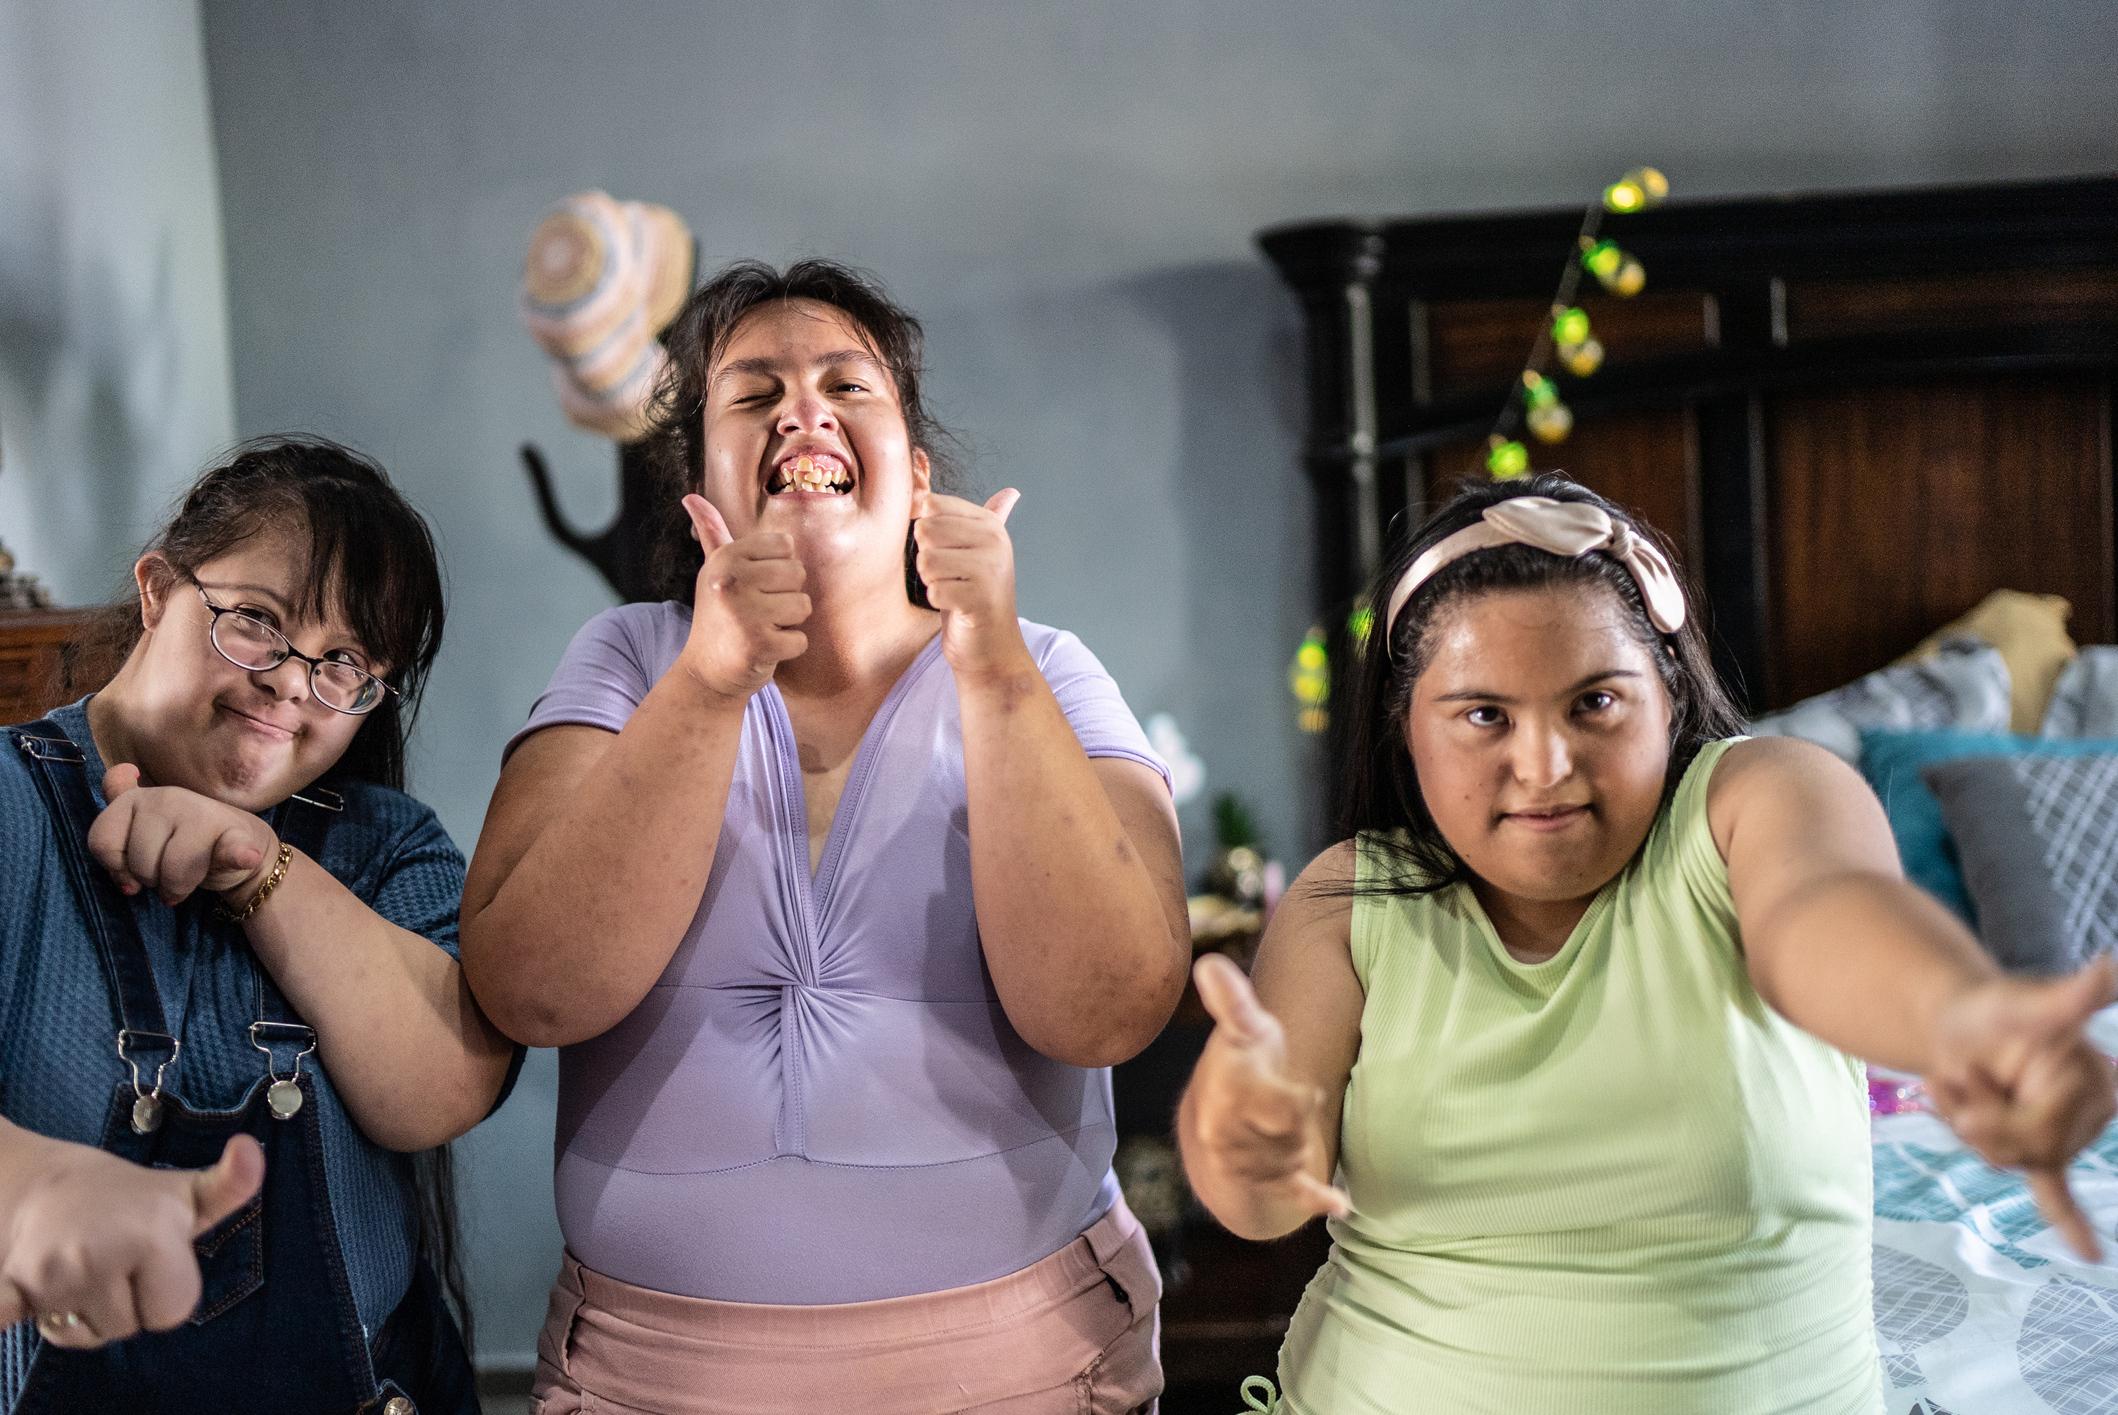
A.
pixel 246 640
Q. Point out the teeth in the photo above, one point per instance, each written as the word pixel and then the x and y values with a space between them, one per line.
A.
pixel 808 473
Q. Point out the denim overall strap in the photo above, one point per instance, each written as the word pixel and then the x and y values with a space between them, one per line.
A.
pixel 419 1350
pixel 276 1327
pixel 60 771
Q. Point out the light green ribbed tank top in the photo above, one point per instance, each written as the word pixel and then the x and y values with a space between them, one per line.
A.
pixel 1611 1183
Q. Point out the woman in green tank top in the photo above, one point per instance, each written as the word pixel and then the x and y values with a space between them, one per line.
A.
pixel 1561 1038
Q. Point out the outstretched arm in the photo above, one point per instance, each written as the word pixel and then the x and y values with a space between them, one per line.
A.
pixel 1839 944
pixel 1259 1122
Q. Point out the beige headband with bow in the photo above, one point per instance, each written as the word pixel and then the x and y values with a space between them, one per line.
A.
pixel 1569 528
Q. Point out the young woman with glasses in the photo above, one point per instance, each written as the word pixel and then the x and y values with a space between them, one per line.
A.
pixel 230 1008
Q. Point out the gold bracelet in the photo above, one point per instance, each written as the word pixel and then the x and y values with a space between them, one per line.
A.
pixel 279 872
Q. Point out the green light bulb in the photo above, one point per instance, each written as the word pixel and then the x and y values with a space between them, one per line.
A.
pixel 1652 184
pixel 1623 196
pixel 1570 326
pixel 1602 259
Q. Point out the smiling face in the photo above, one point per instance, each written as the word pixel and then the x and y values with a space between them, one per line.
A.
pixel 804 433
pixel 194 719
pixel 1540 731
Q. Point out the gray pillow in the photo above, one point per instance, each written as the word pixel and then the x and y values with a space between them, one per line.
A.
pixel 2038 837
pixel 1963 686
pixel 2085 699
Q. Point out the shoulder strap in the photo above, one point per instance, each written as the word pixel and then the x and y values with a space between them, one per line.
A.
pixel 59 768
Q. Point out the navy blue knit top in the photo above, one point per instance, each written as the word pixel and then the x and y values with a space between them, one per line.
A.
pixel 58 1057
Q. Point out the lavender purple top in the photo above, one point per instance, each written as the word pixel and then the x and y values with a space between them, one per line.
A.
pixel 821 1100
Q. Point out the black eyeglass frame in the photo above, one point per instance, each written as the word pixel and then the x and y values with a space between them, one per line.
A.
pixel 285 651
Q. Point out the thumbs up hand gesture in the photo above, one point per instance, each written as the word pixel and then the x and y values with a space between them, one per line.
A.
pixel 966 558
pixel 2018 1080
pixel 1248 1116
pixel 96 1248
pixel 747 606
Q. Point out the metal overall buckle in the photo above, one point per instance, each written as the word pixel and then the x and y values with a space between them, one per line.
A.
pixel 284 1096
pixel 147 1101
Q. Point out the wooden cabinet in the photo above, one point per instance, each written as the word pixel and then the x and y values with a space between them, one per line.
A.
pixel 1855 413
pixel 42 660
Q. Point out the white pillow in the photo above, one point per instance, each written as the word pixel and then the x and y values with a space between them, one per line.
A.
pixel 2085 699
pixel 1964 686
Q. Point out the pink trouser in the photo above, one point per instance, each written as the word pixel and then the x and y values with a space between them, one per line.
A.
pixel 1077 1332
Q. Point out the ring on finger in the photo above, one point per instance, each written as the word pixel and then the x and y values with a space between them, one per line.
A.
pixel 59 1323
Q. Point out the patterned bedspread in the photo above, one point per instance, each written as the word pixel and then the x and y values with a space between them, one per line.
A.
pixel 1979 1308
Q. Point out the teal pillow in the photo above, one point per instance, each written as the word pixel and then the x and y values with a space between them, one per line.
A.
pixel 1892 762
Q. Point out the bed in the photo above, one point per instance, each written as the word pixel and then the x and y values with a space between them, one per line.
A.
pixel 1979 1309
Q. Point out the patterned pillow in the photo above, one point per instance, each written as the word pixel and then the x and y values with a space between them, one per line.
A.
pixel 2030 630
pixel 2038 838
pixel 2085 702
pixel 1964 686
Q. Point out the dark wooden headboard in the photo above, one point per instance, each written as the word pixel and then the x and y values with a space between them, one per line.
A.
pixel 1856 413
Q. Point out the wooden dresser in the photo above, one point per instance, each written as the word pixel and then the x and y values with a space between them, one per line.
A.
pixel 40 660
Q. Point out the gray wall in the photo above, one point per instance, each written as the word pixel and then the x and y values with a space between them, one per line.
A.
pixel 114 378
pixel 1067 193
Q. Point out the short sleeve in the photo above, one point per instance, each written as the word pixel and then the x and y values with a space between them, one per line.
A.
pixel 607 669
pixel 420 883
pixel 1094 707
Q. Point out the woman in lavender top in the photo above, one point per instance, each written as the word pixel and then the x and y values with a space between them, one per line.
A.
pixel 839 905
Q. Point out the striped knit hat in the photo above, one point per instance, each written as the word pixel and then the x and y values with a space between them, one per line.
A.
pixel 602 279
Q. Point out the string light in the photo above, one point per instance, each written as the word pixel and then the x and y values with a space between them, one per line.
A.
pixel 1615 269
pixel 1309 678
pixel 1569 337
pixel 1360 624
pixel 1637 190
pixel 1506 459
pixel 1601 258
pixel 1551 422
pixel 1582 359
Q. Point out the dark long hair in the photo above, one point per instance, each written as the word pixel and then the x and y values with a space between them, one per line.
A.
pixel 1383 804
pixel 367 550
pixel 370 557
pixel 676 436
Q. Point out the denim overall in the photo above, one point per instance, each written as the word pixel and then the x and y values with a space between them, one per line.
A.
pixel 276 1328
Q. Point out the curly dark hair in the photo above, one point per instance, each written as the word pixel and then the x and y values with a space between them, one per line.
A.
pixel 675 439
pixel 1383 804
